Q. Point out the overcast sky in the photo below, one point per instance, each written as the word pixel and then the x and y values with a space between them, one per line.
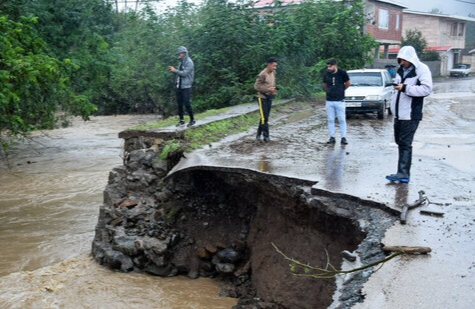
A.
pixel 453 7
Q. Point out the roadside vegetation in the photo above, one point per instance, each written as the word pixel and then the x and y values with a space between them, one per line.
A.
pixel 208 133
pixel 83 57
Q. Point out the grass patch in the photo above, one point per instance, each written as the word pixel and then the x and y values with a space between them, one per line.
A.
pixel 171 147
pixel 171 121
pixel 214 131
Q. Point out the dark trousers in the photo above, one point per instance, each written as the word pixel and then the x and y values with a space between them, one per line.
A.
pixel 183 98
pixel 404 131
pixel 265 106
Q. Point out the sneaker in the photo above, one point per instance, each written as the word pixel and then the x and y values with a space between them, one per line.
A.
pixel 191 123
pixel 258 138
pixel 344 141
pixel 331 140
pixel 266 139
pixel 398 177
pixel 181 123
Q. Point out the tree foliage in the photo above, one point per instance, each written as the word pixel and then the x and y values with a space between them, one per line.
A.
pixel 83 52
pixel 415 39
pixel 32 84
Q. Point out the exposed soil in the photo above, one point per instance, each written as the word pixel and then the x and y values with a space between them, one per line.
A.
pixel 251 212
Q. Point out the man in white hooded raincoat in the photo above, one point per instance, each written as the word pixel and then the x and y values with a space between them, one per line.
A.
pixel 414 82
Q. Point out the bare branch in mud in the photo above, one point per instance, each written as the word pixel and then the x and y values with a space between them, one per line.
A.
pixel 329 271
pixel 407 250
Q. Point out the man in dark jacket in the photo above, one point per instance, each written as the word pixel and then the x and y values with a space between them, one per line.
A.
pixel 185 76
pixel 414 82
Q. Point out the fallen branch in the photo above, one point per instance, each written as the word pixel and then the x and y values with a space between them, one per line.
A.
pixel 421 200
pixel 407 250
pixel 432 213
pixel 329 271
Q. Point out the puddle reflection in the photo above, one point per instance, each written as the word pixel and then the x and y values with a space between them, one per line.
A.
pixel 264 165
pixel 401 193
pixel 334 167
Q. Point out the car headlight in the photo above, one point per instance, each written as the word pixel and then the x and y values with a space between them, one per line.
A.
pixel 373 97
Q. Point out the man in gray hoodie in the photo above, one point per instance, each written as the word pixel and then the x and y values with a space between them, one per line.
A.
pixel 413 82
pixel 185 76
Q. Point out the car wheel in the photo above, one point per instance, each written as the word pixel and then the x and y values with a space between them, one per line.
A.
pixel 381 110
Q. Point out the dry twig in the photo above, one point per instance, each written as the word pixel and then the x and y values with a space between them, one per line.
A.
pixel 329 271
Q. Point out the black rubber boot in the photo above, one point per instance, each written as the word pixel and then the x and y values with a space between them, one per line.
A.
pixel 403 166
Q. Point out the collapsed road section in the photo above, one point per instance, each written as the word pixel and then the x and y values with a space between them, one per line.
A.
pixel 231 224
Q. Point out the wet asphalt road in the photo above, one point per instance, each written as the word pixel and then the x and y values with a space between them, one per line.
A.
pixel 443 167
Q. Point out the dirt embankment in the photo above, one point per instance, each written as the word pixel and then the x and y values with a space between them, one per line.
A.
pixel 223 223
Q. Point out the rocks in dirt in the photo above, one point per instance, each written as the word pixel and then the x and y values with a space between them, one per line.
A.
pixel 214 222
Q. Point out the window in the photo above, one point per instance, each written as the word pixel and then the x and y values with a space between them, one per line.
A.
pixel 457 29
pixel 461 29
pixel 383 20
pixel 397 22
pixel 453 30
pixel 365 79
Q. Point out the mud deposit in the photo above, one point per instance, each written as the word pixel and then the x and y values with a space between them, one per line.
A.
pixel 223 223
pixel 250 211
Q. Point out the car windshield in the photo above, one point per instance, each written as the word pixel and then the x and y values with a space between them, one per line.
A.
pixel 462 66
pixel 365 79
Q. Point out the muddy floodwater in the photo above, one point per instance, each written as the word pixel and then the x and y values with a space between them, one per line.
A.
pixel 50 192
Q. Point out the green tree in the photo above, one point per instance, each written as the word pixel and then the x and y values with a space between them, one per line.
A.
pixel 33 86
pixel 81 31
pixel 415 39
pixel 119 60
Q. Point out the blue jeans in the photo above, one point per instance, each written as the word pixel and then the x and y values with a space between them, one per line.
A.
pixel 336 109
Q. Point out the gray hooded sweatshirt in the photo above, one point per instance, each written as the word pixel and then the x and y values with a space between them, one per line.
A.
pixel 185 70
pixel 407 104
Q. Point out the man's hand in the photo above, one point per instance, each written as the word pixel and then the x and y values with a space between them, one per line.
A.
pixel 398 87
pixel 171 69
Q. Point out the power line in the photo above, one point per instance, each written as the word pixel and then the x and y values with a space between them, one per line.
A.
pixel 469 2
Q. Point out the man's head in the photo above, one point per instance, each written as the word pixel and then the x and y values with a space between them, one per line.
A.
pixel 271 64
pixel 404 63
pixel 332 65
pixel 407 56
pixel 181 52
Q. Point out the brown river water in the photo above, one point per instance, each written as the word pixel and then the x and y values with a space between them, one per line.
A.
pixel 50 191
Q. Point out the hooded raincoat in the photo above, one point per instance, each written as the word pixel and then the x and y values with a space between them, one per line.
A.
pixel 186 70
pixel 417 84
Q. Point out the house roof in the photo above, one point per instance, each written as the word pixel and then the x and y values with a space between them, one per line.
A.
pixel 438 48
pixel 393 3
pixel 395 50
pixel 440 15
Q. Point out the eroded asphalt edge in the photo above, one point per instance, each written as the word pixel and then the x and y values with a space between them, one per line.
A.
pixel 442 279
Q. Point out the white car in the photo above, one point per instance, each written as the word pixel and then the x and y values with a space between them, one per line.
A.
pixel 370 92
pixel 460 70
